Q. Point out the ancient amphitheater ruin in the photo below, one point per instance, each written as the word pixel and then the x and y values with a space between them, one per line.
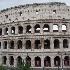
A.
pixel 39 31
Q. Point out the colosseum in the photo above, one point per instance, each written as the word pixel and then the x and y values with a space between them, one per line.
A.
pixel 39 31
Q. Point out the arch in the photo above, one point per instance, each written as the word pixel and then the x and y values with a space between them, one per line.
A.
pixel 28 29
pixel 57 61
pixel 4 60
pixel 6 31
pixel 66 60
pixel 5 45
pixel 46 28
pixel 20 29
pixel 19 60
pixel 28 59
pixel 65 43
pixel 37 28
pixel 28 44
pixel 56 44
pixel 55 27
pixel 37 44
pixel 37 61
pixel 13 30
pixel 12 44
pixel 47 61
pixel 46 44
pixel 11 60
pixel 64 27
pixel 19 44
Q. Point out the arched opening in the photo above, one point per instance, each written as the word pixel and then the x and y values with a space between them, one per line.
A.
pixel 28 60
pixel 4 60
pixel 12 45
pixel 57 61
pixel 28 29
pixel 46 44
pixel 19 44
pixel 47 61
pixel 37 61
pixel 37 44
pixel 28 44
pixel 0 45
pixel 6 31
pixel 56 44
pixel 64 27
pixel 0 31
pixel 55 28
pixel 66 61
pixel 11 60
pixel 46 28
pixel 13 30
pixel 20 29
pixel 65 43
pixel 19 60
pixel 37 28
pixel 5 45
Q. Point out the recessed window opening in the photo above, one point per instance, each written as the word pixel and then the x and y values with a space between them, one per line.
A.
pixel 5 44
pixel 37 12
pixel 37 44
pixel 6 31
pixel 6 16
pixel 65 43
pixel 13 30
pixel 37 28
pixel 46 44
pixel 28 29
pixel 20 29
pixel 56 44
pixel 57 61
pixel 0 45
pixel 64 28
pixel 19 44
pixel 4 60
pixel 47 61
pixel 11 60
pixel 54 11
pixel 12 45
pixel 46 28
pixel 28 44
pixel 20 13
pixel 55 28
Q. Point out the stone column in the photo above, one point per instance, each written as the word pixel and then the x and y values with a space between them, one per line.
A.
pixel 42 43
pixel 32 30
pixel 69 43
pixel 24 29
pixel 1 59
pixel 60 27
pixel 9 30
pixel 52 44
pixel 8 61
pixel 3 30
pixel 52 61
pixel 42 61
pixel 51 27
pixel 15 44
pixel 2 44
pixel 41 29
pixel 32 44
pixel 15 61
pixel 61 45
pixel 23 44
pixel 16 29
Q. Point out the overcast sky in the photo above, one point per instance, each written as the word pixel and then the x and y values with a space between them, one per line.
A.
pixel 11 3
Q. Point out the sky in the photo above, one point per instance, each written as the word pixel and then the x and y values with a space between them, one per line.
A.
pixel 11 3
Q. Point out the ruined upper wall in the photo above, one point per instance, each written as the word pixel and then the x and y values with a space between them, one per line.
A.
pixel 52 10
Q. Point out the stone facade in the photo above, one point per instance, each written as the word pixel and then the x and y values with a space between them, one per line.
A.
pixel 39 31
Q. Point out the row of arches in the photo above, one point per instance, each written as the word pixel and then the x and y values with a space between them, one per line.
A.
pixel 37 44
pixel 37 28
pixel 37 61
